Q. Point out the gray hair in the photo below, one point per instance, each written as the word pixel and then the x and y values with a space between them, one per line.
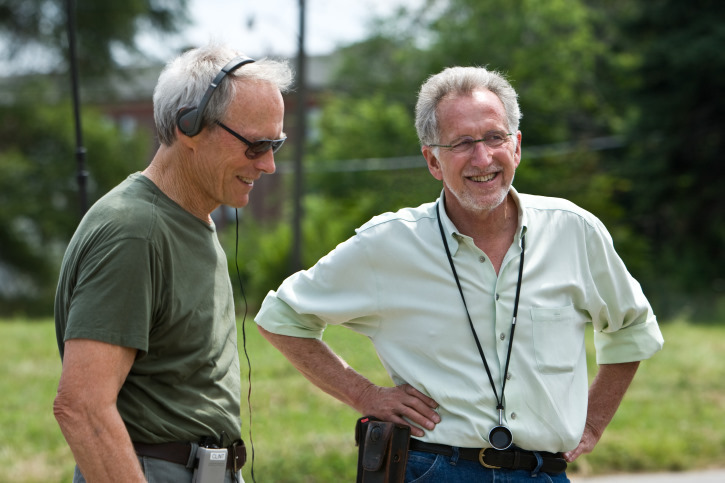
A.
pixel 461 81
pixel 186 78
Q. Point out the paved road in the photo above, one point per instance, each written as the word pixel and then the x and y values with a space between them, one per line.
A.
pixel 704 476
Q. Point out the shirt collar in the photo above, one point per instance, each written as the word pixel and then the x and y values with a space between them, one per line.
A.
pixel 451 232
pixel 454 236
pixel 523 219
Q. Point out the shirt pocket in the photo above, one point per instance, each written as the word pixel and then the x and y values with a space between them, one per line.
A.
pixel 558 337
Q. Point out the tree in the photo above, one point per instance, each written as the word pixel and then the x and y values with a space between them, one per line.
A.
pixel 38 195
pixel 39 28
pixel 549 52
pixel 38 198
pixel 389 62
pixel 676 147
pixel 360 139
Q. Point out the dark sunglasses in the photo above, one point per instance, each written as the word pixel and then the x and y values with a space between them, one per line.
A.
pixel 255 148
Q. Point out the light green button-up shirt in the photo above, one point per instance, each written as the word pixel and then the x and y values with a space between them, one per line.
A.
pixel 392 282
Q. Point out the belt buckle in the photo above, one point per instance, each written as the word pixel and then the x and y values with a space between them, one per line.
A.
pixel 481 459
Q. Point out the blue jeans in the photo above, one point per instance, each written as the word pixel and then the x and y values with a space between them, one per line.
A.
pixel 160 471
pixel 434 468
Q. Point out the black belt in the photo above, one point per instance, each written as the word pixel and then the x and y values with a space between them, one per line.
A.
pixel 510 459
pixel 179 453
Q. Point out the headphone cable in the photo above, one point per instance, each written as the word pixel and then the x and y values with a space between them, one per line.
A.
pixel 244 341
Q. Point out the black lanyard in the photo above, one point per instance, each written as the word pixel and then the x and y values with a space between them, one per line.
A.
pixel 500 405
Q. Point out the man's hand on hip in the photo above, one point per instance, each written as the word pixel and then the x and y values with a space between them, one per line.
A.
pixel 403 405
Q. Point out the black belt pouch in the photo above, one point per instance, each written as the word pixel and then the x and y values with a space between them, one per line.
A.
pixel 382 450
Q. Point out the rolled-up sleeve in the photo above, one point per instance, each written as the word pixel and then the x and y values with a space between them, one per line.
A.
pixel 340 289
pixel 625 327
pixel 633 343
pixel 278 317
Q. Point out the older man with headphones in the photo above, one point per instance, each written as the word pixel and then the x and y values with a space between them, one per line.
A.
pixel 145 321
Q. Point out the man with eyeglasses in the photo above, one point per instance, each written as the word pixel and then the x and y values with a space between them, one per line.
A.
pixel 144 308
pixel 476 304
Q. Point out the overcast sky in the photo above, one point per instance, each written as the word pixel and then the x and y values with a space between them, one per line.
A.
pixel 270 27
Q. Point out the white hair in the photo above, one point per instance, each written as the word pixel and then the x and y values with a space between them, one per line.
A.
pixel 461 80
pixel 186 78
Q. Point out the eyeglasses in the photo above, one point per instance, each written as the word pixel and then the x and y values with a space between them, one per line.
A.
pixel 492 139
pixel 255 148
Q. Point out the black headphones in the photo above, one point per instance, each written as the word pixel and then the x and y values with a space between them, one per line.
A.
pixel 189 119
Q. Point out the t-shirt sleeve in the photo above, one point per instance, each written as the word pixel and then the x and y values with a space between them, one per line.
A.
pixel 113 300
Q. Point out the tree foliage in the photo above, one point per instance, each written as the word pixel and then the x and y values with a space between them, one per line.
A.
pixel 39 203
pixel 548 51
pixel 104 29
pixel 676 144
pixel 366 128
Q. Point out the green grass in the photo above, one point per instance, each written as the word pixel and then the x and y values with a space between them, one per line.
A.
pixel 671 419
pixel 32 447
pixel 672 416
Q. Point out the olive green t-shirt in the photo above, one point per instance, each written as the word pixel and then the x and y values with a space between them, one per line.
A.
pixel 142 272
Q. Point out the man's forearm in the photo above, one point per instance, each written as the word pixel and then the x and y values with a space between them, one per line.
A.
pixel 100 444
pixel 317 362
pixel 605 395
pixel 607 391
pixel 85 408
pixel 321 366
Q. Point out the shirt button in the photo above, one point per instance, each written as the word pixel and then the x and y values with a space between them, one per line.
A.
pixel 502 336
pixel 513 415
pixel 498 296
pixel 482 259
pixel 508 376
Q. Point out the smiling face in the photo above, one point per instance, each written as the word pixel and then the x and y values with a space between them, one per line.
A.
pixel 475 181
pixel 224 173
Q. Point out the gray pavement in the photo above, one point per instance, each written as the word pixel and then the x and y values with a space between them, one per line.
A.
pixel 704 476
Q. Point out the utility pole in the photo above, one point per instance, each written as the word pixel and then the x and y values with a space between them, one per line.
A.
pixel 82 174
pixel 300 138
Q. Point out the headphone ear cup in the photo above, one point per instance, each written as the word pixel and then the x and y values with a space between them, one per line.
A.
pixel 189 119
pixel 188 122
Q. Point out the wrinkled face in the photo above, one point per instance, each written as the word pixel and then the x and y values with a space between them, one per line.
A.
pixel 475 179
pixel 225 174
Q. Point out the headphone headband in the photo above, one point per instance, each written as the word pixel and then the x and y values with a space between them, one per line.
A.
pixel 189 121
